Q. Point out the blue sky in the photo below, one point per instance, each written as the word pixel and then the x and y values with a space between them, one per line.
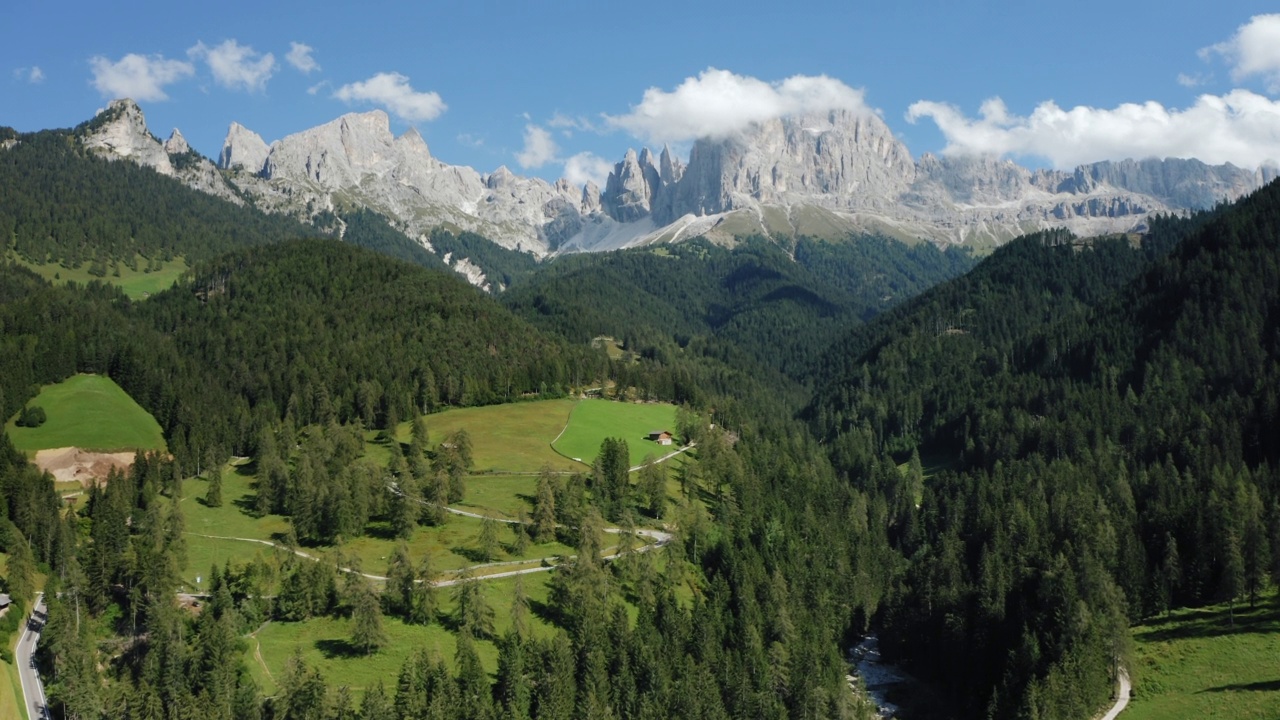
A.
pixel 548 88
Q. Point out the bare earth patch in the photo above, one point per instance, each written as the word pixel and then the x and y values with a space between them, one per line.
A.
pixel 71 464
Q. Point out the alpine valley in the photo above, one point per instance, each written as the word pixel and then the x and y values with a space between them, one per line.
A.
pixel 799 426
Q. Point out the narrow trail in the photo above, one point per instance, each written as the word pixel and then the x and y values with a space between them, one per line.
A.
pixel 1122 697
pixel 545 564
pixel 257 650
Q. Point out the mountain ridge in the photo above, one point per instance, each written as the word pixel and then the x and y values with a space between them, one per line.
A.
pixel 828 174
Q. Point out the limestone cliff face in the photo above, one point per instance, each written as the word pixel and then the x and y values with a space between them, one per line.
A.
pixel 120 132
pixel 852 171
pixel 822 174
pixel 243 150
pixel 357 159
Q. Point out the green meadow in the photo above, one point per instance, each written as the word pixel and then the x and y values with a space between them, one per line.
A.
pixel 323 642
pixel 1196 664
pixel 89 412
pixel 137 284
pixel 594 420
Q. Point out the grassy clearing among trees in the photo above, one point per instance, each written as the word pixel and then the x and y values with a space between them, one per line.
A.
pixel 594 420
pixel 323 641
pixel 89 412
pixel 1195 664
pixel 137 284
pixel 515 437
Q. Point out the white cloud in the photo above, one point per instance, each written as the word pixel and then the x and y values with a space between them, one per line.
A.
pixel 1192 81
pixel 719 103
pixel 1253 50
pixel 236 66
pixel 587 167
pixel 539 148
pixel 300 58
pixel 393 92
pixel 567 124
pixel 136 76
pixel 1240 127
pixel 470 140
pixel 33 75
pixel 317 87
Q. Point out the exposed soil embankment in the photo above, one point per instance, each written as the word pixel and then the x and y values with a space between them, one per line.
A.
pixel 71 464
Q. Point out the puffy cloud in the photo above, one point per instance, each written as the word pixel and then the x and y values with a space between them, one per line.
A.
pixel 136 76
pixel 1253 50
pixel 300 58
pixel 1240 127
pixel 236 66
pixel 587 167
pixel 393 92
pixel 539 148
pixel 719 103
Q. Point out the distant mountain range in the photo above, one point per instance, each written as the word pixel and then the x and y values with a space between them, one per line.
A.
pixel 822 175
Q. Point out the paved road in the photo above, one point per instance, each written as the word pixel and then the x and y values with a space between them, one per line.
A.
pixel 1122 699
pixel 32 688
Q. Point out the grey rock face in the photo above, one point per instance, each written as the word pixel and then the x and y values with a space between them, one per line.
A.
pixel 243 149
pixel 356 159
pixel 123 134
pixel 851 167
pixel 176 144
pixel 821 173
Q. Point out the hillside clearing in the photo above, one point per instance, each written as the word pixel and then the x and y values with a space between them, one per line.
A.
pixel 1195 664
pixel 89 412
pixel 594 420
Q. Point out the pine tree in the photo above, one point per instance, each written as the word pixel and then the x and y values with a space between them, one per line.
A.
pixel 397 596
pixel 213 496
pixel 488 539
pixel 544 508
pixel 367 634
pixel 424 604
pixel 376 705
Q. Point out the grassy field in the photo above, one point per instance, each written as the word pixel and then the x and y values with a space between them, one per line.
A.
pixel 512 438
pixel 594 420
pixel 452 546
pixel 1196 665
pixel 323 641
pixel 137 284
pixel 11 703
pixel 89 412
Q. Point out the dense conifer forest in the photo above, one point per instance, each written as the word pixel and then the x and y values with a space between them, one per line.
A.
pixel 1100 419
pixel 998 475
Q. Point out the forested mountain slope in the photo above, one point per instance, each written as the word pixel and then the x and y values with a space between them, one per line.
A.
pixel 313 329
pixel 63 204
pixel 757 305
pixel 1101 422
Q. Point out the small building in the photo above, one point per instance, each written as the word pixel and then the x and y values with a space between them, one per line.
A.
pixel 5 601
pixel 662 437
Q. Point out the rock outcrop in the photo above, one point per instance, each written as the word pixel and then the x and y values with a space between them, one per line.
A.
pixel 120 132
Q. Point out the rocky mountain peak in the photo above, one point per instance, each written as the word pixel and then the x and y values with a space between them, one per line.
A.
pixel 500 178
pixel 120 131
pixel 631 186
pixel 176 144
pixel 243 149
